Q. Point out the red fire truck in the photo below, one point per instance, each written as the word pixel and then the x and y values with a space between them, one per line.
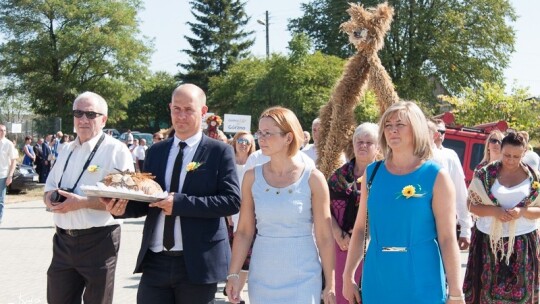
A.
pixel 468 142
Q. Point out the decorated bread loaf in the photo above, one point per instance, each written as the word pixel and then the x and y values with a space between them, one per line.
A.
pixel 134 181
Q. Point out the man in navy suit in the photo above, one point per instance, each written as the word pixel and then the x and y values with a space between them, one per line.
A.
pixel 185 267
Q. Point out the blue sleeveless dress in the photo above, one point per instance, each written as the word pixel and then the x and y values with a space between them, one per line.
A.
pixel 285 266
pixel 403 262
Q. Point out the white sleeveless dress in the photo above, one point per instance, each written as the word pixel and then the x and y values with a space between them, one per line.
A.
pixel 285 265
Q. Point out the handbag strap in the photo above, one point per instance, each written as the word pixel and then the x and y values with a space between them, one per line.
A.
pixel 368 187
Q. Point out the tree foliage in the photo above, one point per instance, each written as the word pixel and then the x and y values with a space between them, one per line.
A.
pixel 149 112
pixel 451 43
pixel 220 39
pixel 56 49
pixel 300 81
pixel 490 103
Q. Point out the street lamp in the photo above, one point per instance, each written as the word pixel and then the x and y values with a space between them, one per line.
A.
pixel 266 23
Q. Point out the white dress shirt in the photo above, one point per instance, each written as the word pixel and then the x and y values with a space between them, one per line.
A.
pixel 111 155
pixel 449 160
pixel 156 243
pixel 532 159
pixel 7 154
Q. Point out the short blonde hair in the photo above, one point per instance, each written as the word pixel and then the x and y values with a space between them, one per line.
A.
pixel 251 141
pixel 287 122
pixel 409 112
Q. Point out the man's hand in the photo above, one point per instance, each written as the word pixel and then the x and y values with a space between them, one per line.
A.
pixel 73 202
pixel 166 205
pixel 464 243
pixel 115 206
pixel 9 180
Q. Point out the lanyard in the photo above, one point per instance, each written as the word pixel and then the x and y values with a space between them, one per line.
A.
pixel 85 164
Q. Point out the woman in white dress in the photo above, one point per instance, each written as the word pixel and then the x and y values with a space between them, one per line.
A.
pixel 289 202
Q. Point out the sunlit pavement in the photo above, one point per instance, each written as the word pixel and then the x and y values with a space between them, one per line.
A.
pixel 26 250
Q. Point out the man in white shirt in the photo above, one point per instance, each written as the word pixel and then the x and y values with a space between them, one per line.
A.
pixel 139 153
pixel 311 149
pixel 8 160
pixel 449 160
pixel 85 246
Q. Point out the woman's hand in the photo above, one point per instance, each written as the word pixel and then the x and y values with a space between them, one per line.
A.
pixel 233 289
pixel 329 295
pixel 515 212
pixel 343 241
pixel 504 216
pixel 351 292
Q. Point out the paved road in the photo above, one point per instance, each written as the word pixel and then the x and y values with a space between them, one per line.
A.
pixel 26 250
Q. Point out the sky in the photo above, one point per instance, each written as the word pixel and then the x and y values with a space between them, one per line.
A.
pixel 164 21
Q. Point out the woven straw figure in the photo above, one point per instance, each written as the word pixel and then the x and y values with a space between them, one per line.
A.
pixel 366 30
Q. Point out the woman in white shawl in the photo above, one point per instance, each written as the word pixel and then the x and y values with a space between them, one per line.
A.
pixel 503 265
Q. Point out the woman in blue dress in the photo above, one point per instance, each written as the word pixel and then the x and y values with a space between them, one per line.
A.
pixel 29 155
pixel 289 203
pixel 412 253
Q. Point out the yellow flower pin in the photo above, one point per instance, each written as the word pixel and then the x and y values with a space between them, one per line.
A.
pixel 359 180
pixel 193 166
pixel 93 168
pixel 536 185
pixel 409 191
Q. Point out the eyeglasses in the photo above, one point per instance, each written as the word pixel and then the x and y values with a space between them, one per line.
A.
pixel 243 141
pixel 89 114
pixel 266 134
pixel 158 138
pixel 494 141
pixel 441 132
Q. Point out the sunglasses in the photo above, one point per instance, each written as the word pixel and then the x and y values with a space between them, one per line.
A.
pixel 494 141
pixel 244 141
pixel 441 131
pixel 159 138
pixel 89 114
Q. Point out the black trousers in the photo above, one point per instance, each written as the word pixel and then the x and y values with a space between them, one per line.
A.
pixel 164 280
pixel 83 267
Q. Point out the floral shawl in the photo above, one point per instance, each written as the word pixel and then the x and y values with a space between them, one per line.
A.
pixel 480 194
pixel 344 186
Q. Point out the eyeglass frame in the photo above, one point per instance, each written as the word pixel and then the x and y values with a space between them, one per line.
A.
pixel 264 135
pixel 157 137
pixel 442 132
pixel 88 114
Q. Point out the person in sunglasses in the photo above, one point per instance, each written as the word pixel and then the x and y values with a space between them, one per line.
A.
pixel 450 161
pixel 492 149
pixel 85 246
pixel 157 137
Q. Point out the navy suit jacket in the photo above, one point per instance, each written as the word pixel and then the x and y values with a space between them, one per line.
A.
pixel 209 193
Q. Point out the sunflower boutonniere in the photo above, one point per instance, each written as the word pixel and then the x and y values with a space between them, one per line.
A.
pixel 535 185
pixel 410 191
pixel 192 166
pixel 93 168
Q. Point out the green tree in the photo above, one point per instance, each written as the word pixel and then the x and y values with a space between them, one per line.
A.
pixel 56 49
pixel 490 103
pixel 220 39
pixel 451 43
pixel 300 81
pixel 149 112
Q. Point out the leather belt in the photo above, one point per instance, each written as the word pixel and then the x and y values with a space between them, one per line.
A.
pixel 81 232
pixel 171 253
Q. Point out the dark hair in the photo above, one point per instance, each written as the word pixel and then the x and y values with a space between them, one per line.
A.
pixel 514 139
pixel 27 137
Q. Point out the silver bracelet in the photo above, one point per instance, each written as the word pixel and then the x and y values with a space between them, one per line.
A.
pixel 461 297
pixel 233 275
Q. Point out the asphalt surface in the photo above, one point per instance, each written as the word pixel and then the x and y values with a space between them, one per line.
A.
pixel 26 251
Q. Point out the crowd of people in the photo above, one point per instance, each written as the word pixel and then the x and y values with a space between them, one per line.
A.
pixel 380 229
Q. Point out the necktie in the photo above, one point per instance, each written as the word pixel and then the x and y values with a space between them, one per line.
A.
pixel 168 230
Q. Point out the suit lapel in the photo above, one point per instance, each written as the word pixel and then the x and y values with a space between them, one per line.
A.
pixel 198 157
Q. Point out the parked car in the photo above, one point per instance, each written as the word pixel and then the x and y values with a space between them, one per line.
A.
pixel 147 136
pixel 114 132
pixel 24 178
pixel 123 137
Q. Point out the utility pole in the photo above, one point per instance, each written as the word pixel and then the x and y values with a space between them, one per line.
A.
pixel 267 24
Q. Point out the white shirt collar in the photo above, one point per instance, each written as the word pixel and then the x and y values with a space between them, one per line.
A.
pixel 191 141
pixel 91 143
